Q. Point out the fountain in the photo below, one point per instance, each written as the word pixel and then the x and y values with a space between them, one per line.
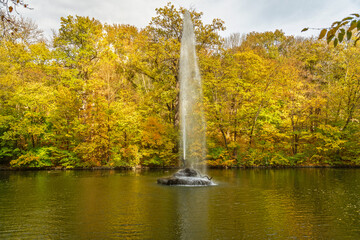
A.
pixel 192 121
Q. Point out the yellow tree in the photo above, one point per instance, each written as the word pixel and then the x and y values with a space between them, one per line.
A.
pixel 158 54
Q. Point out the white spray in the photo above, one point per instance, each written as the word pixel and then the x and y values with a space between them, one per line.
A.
pixel 192 121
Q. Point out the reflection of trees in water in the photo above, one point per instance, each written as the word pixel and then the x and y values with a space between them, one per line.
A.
pixel 247 204
pixel 192 213
pixel 289 203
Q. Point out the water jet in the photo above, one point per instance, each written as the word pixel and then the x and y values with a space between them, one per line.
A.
pixel 191 111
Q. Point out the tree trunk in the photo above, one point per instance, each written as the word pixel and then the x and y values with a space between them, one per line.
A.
pixel 254 123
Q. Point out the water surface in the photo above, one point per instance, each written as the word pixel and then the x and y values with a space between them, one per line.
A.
pixel 246 204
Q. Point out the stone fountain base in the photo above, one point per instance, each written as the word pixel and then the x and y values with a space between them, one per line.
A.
pixel 187 177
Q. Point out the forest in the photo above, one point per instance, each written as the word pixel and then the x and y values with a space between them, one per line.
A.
pixel 107 95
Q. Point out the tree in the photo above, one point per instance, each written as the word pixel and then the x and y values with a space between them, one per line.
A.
pixel 78 44
pixel 160 50
pixel 26 93
pixel 155 61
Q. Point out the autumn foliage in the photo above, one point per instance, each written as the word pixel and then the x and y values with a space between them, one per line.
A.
pixel 108 95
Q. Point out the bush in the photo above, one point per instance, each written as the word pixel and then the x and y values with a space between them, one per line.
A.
pixel 219 157
pixel 254 158
pixel 6 154
pixel 30 160
pixel 46 157
pixel 125 157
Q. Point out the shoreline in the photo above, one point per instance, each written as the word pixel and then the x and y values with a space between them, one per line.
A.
pixel 7 168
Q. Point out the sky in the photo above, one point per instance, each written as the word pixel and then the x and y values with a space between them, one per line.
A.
pixel 240 16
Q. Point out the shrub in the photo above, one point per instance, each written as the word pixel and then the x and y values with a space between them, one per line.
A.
pixel 46 157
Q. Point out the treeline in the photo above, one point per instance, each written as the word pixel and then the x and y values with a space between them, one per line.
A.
pixel 107 95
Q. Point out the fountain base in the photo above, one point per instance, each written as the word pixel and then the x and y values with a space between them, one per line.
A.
pixel 186 177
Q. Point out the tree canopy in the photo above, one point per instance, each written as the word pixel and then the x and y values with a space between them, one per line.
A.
pixel 108 94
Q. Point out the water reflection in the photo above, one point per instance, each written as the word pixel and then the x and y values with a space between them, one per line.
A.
pixel 249 204
pixel 192 212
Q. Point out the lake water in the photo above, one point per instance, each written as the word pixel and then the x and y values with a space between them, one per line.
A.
pixel 245 204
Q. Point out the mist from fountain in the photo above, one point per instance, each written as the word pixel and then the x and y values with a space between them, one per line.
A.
pixel 192 121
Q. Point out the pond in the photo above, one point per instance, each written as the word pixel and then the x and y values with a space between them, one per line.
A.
pixel 245 204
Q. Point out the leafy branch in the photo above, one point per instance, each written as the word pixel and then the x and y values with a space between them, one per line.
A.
pixel 341 30
pixel 7 8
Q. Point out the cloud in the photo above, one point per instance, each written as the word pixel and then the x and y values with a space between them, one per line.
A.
pixel 241 16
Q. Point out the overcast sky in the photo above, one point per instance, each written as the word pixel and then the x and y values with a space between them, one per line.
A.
pixel 240 16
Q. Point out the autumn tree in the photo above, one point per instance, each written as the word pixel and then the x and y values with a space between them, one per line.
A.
pixel 160 58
